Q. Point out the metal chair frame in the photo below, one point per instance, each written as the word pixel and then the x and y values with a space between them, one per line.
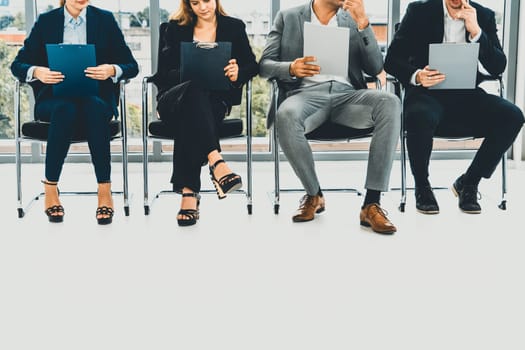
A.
pixel 19 138
pixel 146 135
pixel 274 146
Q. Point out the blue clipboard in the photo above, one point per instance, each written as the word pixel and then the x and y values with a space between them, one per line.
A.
pixel 203 63
pixel 71 60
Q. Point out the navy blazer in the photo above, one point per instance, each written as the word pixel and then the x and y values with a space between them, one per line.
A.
pixel 423 24
pixel 102 31
pixel 228 29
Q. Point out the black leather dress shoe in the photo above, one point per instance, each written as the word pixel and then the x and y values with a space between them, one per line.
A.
pixel 426 203
pixel 468 196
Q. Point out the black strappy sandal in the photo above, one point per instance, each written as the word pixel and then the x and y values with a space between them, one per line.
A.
pixel 226 184
pixel 192 215
pixel 54 211
pixel 105 211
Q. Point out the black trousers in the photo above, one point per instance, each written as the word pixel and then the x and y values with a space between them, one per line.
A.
pixel 196 134
pixel 459 113
pixel 65 115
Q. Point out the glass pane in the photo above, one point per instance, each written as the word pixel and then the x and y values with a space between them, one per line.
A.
pixel 12 35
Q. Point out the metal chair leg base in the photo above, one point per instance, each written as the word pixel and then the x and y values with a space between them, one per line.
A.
pixel 250 209
pixel 146 210
pixel 276 208
pixel 21 213
pixel 126 211
pixel 402 207
pixel 503 205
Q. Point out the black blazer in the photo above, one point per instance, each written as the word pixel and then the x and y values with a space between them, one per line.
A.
pixel 228 29
pixel 423 24
pixel 102 31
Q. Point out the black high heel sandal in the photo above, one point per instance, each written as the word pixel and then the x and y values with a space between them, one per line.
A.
pixel 226 184
pixel 104 211
pixel 192 215
pixel 54 211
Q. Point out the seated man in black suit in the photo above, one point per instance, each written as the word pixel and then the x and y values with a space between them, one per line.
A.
pixel 497 120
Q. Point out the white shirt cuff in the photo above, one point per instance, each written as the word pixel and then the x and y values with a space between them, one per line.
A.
pixel 118 73
pixel 29 76
pixel 476 38
pixel 413 78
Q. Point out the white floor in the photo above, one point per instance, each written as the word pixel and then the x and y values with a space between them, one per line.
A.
pixel 234 281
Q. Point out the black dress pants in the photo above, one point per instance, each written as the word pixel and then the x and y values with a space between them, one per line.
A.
pixel 459 113
pixel 196 131
pixel 90 113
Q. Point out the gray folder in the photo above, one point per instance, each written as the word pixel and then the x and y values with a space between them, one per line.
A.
pixel 329 45
pixel 203 63
pixel 458 61
pixel 71 60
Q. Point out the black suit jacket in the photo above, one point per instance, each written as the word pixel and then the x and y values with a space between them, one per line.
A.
pixel 423 24
pixel 228 29
pixel 102 31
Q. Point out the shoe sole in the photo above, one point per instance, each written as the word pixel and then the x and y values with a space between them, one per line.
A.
pixel 318 211
pixel 428 212
pixel 366 224
pixel 221 194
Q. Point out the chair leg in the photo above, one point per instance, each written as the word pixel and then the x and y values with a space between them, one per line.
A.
pixel 125 174
pixel 249 145
pixel 503 204
pixel 18 155
pixel 403 172
pixel 145 143
pixel 18 152
pixel 275 151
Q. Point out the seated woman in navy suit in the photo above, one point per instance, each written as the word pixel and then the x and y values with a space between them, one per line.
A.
pixel 76 22
pixel 200 111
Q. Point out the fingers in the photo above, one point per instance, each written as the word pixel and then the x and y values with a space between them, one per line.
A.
pixel 51 77
pixel 232 70
pixel 101 72
pixel 465 4
pixel 429 77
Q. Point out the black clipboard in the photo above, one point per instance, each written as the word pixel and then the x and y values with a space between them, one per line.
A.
pixel 71 60
pixel 203 63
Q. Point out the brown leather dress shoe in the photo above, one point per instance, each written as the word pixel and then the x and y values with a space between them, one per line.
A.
pixel 310 205
pixel 374 216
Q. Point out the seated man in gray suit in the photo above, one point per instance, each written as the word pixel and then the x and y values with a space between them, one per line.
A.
pixel 313 98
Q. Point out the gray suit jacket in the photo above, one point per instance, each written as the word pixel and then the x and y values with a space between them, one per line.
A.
pixel 285 43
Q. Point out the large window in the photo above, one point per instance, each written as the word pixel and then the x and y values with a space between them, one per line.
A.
pixel 12 34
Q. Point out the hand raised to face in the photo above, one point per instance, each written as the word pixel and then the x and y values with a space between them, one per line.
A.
pixel 469 16
pixel 356 9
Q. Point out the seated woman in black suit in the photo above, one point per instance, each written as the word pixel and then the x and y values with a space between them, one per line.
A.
pixel 76 22
pixel 201 111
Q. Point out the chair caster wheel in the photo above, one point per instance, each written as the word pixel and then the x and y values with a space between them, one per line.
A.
pixel 503 205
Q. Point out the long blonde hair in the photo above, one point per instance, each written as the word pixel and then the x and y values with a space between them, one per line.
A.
pixel 185 16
